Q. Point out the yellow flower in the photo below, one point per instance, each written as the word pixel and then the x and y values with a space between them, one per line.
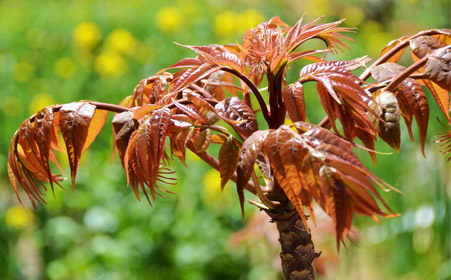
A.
pixel 110 64
pixel 23 72
pixel 86 35
pixel 353 15
pixel 17 218
pixel 41 101
pixel 249 18
pixel 169 19
pixel 65 67
pixel 212 181
pixel 121 40
pixel 225 23
pixel 211 191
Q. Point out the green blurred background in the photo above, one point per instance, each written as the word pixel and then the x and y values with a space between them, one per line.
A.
pixel 63 51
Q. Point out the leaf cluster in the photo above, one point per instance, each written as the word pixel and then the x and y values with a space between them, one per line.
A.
pixel 210 100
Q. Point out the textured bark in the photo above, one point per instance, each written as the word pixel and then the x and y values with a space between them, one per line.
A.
pixel 298 251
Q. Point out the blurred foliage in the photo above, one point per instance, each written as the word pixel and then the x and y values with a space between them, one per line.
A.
pixel 62 51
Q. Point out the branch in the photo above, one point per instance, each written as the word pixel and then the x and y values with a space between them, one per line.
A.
pixel 110 107
pixel 254 89
pixel 386 82
pixel 366 74
pixel 406 73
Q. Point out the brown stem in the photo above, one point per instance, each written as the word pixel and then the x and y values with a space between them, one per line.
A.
pixel 405 74
pixel 254 89
pixel 213 162
pixel 325 123
pixel 298 251
pixel 385 83
pixel 109 107
pixel 366 74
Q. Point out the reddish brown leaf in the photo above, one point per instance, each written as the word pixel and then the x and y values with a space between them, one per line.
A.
pixel 146 150
pixel 43 133
pixel 293 96
pixel 441 95
pixel 444 139
pixel 438 67
pixel 75 119
pixel 423 45
pixel 417 101
pixel 348 101
pixel 389 131
pixel 145 109
pixel 236 113
pixel 318 164
pixel 202 141
pixel 393 44
pixel 186 62
pixel 192 112
pixel 250 150
pixel 193 75
pixel 386 71
pixel 228 159
pixel 123 126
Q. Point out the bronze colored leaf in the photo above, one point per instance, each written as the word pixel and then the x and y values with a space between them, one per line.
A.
pixel 43 133
pixel 192 112
pixel 96 125
pixel 228 159
pixel 423 45
pixel 438 67
pixel 393 44
pixel 293 96
pixel 75 119
pixel 389 131
pixel 444 140
pixel 386 71
pixel 179 142
pixel 295 183
pixel 145 109
pixel 250 150
pixel 202 141
pixel 317 164
pixel 186 62
pixel 193 75
pixel 236 113
pixel 341 95
pixel 123 126
pixel 416 98
pixel 441 95
pixel 145 152
pixel 411 98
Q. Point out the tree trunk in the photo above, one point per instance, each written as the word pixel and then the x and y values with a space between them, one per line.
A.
pixel 298 251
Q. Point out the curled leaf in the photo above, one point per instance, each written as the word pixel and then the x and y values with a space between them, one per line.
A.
pixel 389 130
pixel 238 114
pixel 423 45
pixel 438 67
